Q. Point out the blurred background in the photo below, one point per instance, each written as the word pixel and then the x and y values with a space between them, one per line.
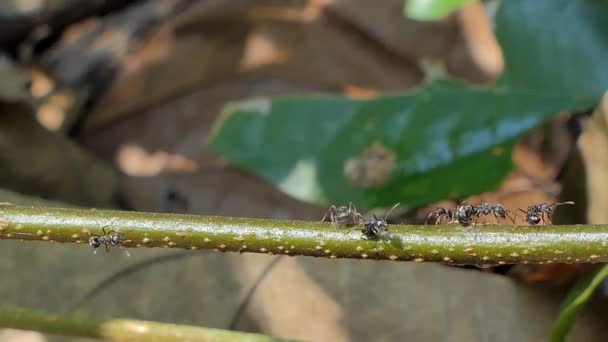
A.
pixel 171 106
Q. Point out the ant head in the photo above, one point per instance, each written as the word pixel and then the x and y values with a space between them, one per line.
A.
pixel 463 209
pixel 466 204
pixel 371 223
pixel 94 241
pixel 116 239
pixel 533 219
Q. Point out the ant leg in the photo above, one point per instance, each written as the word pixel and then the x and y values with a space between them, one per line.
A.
pixel 324 216
pixel 510 215
pixel 550 217
pixel 428 218
pixel 330 212
pixel 525 213
pixel 542 217
pixel 107 248
pixel 360 218
pixel 454 216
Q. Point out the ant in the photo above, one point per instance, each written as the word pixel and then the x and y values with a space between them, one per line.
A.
pixel 344 215
pixel 440 214
pixel 110 238
pixel 541 212
pixel 374 226
pixel 497 210
pixel 464 214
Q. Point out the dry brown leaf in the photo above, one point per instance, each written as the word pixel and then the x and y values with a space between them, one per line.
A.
pixel 593 145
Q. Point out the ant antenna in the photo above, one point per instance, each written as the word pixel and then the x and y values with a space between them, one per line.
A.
pixel 390 211
pixel 562 203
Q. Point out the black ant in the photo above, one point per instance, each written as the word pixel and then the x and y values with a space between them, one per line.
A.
pixel 373 227
pixel 347 216
pixel 440 214
pixel 541 212
pixel 497 210
pixel 110 238
pixel 464 214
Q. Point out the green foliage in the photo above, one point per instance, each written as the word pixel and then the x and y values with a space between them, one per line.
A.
pixel 444 140
pixel 555 46
pixel 431 9
pixel 575 301
pixel 435 135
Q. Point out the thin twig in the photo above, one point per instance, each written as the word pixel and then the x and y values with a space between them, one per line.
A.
pixel 125 272
pixel 117 329
pixel 258 281
pixel 482 245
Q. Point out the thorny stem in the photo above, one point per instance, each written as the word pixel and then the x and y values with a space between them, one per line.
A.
pixel 483 245
pixel 117 329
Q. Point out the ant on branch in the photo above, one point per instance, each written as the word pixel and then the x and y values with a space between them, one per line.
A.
pixel 485 209
pixel 464 214
pixel 541 212
pixel 373 227
pixel 110 238
pixel 343 215
pixel 440 215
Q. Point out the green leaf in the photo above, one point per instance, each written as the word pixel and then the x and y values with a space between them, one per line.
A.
pixel 555 46
pixel 441 141
pixel 431 9
pixel 575 301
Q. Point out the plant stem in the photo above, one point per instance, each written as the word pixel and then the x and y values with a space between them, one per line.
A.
pixel 483 245
pixel 574 302
pixel 117 329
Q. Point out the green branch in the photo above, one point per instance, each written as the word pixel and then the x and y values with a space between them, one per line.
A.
pixel 482 245
pixel 117 329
